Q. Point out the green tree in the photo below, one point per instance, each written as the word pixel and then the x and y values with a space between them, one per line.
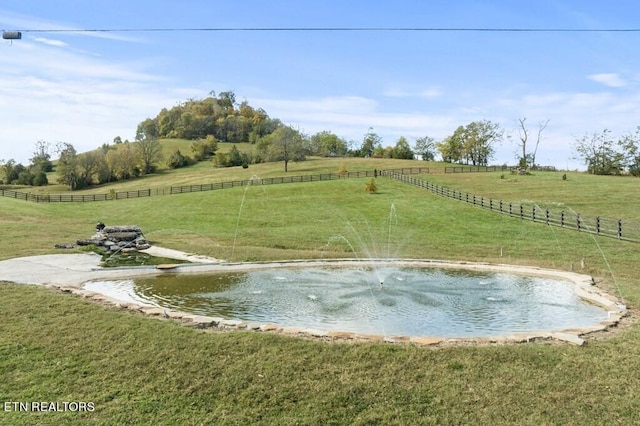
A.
pixel 40 179
pixel 480 138
pixel 148 129
pixel 177 160
pixel 41 159
pixel 327 144
pixel 203 149
pixel 25 177
pixel 88 166
pixel 10 171
pixel 425 147
pixel 599 154
pixel 149 152
pixel 235 157
pixel 67 167
pixel 370 142
pixel 473 143
pixel 122 162
pixel 285 144
pixel 452 147
pixel 402 150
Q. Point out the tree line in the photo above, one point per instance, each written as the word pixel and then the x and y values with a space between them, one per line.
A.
pixel 219 118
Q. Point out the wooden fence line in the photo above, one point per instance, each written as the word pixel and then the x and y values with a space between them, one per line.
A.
pixel 613 228
pixel 53 198
pixel 476 169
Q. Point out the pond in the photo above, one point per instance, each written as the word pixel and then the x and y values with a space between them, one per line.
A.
pixel 412 301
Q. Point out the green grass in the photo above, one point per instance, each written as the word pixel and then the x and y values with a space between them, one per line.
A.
pixel 607 196
pixel 137 370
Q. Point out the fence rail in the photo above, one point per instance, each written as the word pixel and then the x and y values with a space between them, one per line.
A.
pixel 476 169
pixel 74 198
pixel 614 228
pixel 294 179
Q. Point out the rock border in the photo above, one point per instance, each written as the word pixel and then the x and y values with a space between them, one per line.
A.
pixel 584 286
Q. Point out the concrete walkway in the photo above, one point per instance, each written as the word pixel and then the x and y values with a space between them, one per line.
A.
pixel 76 269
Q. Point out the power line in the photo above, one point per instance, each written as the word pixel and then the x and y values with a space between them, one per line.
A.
pixel 339 29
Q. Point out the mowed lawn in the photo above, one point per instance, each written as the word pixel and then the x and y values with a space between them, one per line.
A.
pixel 59 347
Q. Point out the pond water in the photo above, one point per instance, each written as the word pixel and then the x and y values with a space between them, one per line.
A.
pixel 412 301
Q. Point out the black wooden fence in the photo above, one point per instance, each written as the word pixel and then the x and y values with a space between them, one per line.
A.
pixel 73 198
pixel 53 198
pixel 476 169
pixel 614 228
pixel 295 179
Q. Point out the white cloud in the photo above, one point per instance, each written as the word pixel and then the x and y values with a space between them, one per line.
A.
pixel 55 95
pixel 433 92
pixel 430 92
pixel 50 42
pixel 351 116
pixel 608 79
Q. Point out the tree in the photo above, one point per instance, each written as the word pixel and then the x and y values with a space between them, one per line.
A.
pixel 285 144
pixel 425 147
pixel 327 144
pixel 597 151
pixel 149 152
pixel 177 160
pixel 472 143
pixel 370 142
pixel 121 162
pixel 117 140
pixel 88 165
pixel 480 137
pixel 371 186
pixel 203 149
pixel 67 167
pixel 629 144
pixel 41 159
pixel 148 129
pixel 452 147
pixel 10 171
pixel 402 150
pixel 528 159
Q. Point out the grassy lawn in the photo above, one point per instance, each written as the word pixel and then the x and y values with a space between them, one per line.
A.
pixel 59 347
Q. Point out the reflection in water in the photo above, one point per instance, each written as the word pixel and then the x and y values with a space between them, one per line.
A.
pixel 412 302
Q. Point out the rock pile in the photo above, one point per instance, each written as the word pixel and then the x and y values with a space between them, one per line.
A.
pixel 125 239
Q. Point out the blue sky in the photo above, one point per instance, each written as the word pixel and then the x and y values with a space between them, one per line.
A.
pixel 85 88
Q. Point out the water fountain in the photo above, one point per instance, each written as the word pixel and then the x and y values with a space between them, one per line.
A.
pixel 377 293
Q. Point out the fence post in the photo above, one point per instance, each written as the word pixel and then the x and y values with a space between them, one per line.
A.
pixel 546 216
pixel 562 218
pixel 578 221
pixel 619 228
pixel 490 204
pixel 533 213
pixel 510 209
pixel 521 212
pixel 597 224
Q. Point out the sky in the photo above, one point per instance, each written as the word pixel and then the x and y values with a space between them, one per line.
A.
pixel 86 88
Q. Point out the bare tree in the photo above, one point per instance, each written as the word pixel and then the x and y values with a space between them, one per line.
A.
pixel 528 159
pixel 541 126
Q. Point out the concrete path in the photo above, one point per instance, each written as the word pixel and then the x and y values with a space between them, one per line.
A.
pixel 78 268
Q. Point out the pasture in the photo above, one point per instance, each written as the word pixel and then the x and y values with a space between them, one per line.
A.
pixel 58 347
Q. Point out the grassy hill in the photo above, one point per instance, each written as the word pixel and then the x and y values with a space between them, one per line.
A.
pixel 61 348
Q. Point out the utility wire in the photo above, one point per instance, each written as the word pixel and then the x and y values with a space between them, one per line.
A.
pixel 336 29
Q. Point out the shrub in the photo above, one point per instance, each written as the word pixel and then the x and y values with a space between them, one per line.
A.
pixel 371 186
